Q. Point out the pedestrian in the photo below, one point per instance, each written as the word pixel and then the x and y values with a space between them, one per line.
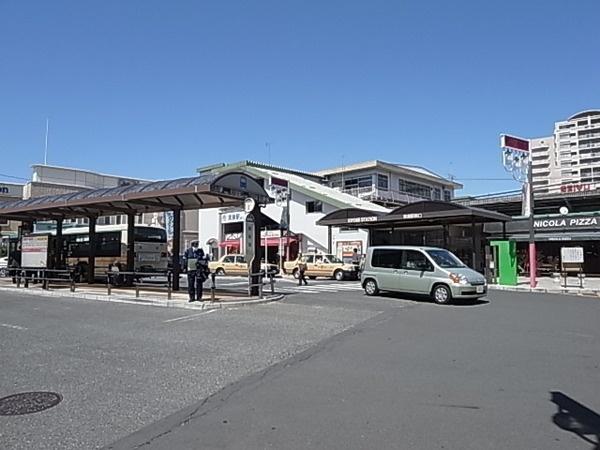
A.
pixel 355 257
pixel 302 270
pixel 192 257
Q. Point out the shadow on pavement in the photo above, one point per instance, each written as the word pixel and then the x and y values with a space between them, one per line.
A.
pixel 574 417
pixel 426 299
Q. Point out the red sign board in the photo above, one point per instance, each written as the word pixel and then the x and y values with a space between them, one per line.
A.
pixel 567 188
pixel 514 143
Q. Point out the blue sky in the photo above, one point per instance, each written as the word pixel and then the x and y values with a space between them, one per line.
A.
pixel 155 89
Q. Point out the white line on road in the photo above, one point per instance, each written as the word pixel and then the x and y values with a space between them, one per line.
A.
pixel 191 316
pixel 14 327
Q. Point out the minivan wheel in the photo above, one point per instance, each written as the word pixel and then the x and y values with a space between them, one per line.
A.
pixel 220 271
pixel 338 275
pixel 442 295
pixel 371 287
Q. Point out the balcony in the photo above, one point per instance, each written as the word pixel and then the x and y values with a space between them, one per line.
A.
pixel 588 136
pixel 373 194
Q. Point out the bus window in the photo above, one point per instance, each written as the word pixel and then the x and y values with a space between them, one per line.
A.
pixel 149 234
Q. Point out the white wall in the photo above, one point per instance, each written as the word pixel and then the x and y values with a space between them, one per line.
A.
pixel 208 226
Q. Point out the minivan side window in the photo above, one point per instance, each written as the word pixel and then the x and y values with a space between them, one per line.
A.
pixel 228 259
pixel 386 258
pixel 415 260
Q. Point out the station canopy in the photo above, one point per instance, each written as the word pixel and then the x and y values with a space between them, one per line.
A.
pixel 424 213
pixel 206 191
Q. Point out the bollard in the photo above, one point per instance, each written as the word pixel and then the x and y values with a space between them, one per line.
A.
pixel 260 286
pixel 212 287
pixel 26 283
pixel 169 288
pixel 137 291
pixel 272 280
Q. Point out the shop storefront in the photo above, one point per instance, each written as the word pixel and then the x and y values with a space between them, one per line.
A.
pixel 553 232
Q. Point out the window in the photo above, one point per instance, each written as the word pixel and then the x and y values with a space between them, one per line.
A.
pixel 386 258
pixel 359 182
pixel 149 234
pixel 410 187
pixel 447 195
pixel 309 259
pixel 229 259
pixel 445 259
pixel 437 194
pixel 382 182
pixel 314 206
pixel 415 260
pixel 241 259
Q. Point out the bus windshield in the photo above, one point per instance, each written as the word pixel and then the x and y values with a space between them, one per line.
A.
pixel 150 234
pixel 445 259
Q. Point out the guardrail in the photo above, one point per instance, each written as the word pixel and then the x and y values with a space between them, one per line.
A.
pixel 261 282
pixel 26 275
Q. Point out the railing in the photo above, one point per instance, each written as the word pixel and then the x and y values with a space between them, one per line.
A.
pixel 34 275
pixel 371 193
pixel 261 283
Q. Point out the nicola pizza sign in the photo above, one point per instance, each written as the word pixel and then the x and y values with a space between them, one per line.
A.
pixel 566 222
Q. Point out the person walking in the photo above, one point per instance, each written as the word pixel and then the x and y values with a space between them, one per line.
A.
pixel 192 257
pixel 302 270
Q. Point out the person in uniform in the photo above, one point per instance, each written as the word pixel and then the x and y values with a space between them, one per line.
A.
pixel 193 258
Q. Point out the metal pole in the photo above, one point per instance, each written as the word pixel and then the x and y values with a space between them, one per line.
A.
pixel 532 250
pixel 176 250
pixel 92 249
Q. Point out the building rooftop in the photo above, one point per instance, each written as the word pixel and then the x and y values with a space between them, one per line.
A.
pixel 586 113
pixel 400 168
pixel 300 182
pixel 257 164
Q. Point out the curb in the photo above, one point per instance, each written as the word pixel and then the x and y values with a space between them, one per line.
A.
pixel 537 290
pixel 147 301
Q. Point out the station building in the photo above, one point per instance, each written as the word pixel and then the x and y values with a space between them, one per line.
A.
pixel 292 222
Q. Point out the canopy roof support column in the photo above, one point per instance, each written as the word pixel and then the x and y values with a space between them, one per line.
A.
pixel 58 246
pixel 176 247
pixel 92 252
pixel 130 245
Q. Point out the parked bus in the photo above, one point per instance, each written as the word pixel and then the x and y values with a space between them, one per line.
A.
pixel 111 248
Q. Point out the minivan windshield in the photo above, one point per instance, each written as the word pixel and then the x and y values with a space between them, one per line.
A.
pixel 445 259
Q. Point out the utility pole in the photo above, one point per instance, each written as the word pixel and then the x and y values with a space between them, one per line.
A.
pixel 46 144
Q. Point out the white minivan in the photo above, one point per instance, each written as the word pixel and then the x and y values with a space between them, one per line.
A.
pixel 431 271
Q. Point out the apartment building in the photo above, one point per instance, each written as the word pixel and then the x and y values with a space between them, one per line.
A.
pixel 569 160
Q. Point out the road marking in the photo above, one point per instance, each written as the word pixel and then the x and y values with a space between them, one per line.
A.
pixel 14 327
pixel 191 316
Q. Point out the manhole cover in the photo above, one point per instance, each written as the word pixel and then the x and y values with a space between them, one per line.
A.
pixel 28 403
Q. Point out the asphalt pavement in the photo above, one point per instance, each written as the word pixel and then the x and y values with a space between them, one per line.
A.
pixel 120 367
pixel 419 377
pixel 328 370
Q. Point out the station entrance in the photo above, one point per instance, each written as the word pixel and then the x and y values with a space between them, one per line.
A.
pixel 427 223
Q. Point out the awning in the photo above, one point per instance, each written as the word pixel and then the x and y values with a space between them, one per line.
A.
pixel 274 241
pixel 207 191
pixel 425 213
pixel 230 244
